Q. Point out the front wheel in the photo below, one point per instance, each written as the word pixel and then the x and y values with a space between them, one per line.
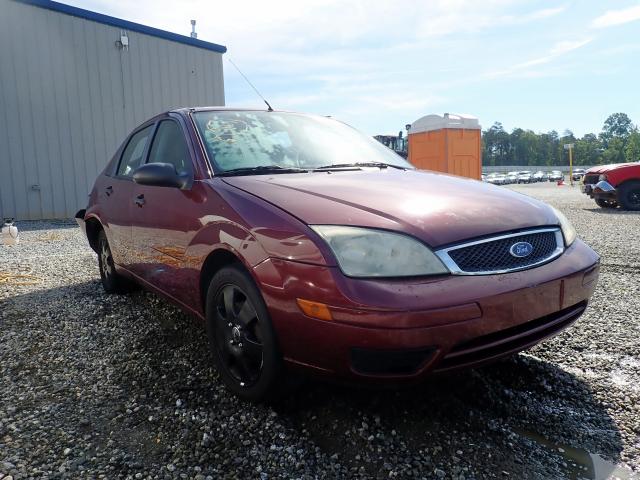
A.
pixel 629 195
pixel 606 203
pixel 241 337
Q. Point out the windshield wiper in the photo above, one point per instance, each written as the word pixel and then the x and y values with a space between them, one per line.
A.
pixel 359 164
pixel 260 170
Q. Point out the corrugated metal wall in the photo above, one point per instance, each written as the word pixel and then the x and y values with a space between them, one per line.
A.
pixel 68 97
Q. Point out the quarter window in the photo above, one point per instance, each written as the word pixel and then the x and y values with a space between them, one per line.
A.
pixel 132 155
pixel 169 146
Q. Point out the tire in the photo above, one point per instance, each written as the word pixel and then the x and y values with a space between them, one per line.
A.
pixel 242 340
pixel 629 195
pixel 111 281
pixel 606 203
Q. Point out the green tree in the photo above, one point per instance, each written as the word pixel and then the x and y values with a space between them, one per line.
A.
pixel 618 142
pixel 555 153
pixel 632 150
pixel 562 154
pixel 588 150
pixel 496 146
pixel 617 125
pixel 546 148
pixel 614 152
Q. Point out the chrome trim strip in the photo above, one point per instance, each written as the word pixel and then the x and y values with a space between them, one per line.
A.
pixel 443 254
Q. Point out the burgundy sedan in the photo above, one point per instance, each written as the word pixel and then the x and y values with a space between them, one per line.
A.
pixel 305 245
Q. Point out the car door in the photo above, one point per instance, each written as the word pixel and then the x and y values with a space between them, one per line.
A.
pixel 164 219
pixel 115 196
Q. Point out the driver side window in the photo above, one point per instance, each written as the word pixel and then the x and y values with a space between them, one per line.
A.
pixel 169 146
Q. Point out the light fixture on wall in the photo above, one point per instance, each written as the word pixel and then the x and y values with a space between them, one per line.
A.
pixel 123 43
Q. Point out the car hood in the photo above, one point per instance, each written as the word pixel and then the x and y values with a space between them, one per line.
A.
pixel 614 166
pixel 437 208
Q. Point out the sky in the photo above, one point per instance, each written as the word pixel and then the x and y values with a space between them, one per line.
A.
pixel 379 65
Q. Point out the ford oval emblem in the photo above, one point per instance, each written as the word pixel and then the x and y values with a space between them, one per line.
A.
pixel 521 249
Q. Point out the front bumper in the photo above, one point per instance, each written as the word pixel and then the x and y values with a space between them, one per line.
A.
pixel 601 190
pixel 401 330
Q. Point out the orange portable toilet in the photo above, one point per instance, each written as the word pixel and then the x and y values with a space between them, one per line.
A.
pixel 448 143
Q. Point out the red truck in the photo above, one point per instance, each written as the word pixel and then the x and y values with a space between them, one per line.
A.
pixel 614 185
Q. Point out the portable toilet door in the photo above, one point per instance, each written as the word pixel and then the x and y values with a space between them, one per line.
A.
pixel 448 143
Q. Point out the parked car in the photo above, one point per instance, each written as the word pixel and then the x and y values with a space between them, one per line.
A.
pixel 540 176
pixel 525 177
pixel 614 185
pixel 511 177
pixel 496 179
pixel 577 174
pixel 556 176
pixel 334 257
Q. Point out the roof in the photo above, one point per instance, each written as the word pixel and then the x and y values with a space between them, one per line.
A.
pixel 436 122
pixel 124 24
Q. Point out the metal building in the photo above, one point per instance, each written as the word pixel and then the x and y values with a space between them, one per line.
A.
pixel 73 83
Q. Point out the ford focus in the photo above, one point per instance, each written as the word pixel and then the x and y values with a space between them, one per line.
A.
pixel 307 246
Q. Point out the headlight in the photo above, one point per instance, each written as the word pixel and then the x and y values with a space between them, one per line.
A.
pixel 602 178
pixel 365 252
pixel 568 232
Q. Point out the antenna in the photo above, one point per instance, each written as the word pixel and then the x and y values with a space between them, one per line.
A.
pixel 193 29
pixel 251 84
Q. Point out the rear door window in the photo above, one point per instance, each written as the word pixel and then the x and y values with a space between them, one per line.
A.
pixel 170 146
pixel 132 157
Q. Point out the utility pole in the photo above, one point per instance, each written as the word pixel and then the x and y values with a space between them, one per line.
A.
pixel 569 146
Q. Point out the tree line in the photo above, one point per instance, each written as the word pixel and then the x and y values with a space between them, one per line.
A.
pixel 618 142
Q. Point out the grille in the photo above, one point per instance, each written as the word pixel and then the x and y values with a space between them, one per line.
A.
pixel 591 179
pixel 494 255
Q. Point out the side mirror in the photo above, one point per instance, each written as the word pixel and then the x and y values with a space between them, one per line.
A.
pixel 161 175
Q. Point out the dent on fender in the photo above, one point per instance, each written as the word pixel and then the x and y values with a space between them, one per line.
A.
pixel 219 232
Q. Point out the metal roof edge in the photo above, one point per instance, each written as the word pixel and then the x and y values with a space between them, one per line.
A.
pixel 124 24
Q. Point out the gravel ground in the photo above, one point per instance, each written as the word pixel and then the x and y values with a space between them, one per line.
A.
pixel 101 386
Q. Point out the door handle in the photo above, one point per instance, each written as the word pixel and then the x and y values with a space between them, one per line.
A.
pixel 108 190
pixel 140 200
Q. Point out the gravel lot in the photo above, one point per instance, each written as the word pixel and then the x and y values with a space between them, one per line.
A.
pixel 93 385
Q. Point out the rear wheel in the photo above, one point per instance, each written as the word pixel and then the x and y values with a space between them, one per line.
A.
pixel 629 195
pixel 112 282
pixel 241 337
pixel 606 203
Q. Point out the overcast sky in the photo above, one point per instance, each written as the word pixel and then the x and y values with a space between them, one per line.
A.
pixel 379 65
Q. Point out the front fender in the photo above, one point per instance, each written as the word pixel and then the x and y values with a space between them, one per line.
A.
pixel 618 176
pixel 223 234
pixel 255 229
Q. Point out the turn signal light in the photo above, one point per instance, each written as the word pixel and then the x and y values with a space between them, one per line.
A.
pixel 314 309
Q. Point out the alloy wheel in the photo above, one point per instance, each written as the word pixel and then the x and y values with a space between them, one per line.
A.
pixel 238 335
pixel 105 257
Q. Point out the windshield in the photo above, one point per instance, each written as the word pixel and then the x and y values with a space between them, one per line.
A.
pixel 238 140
